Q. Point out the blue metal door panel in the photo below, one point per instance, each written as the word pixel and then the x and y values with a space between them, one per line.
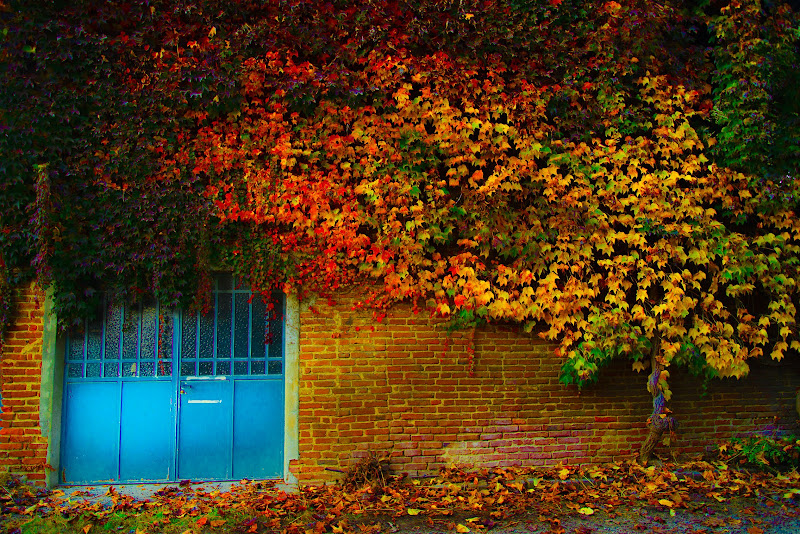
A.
pixel 258 429
pixel 204 429
pixel 90 445
pixel 146 401
pixel 147 437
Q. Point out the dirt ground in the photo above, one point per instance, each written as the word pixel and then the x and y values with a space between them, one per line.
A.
pixel 740 516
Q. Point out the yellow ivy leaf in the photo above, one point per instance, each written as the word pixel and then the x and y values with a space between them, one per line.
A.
pixel 585 510
pixel 461 529
pixel 413 511
pixel 791 493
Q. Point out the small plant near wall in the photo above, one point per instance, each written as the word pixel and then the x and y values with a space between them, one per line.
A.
pixel 768 453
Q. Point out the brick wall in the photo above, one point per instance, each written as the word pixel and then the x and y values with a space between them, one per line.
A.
pixel 403 387
pixel 22 448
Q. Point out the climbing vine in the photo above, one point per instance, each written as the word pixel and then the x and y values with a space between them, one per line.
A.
pixel 619 177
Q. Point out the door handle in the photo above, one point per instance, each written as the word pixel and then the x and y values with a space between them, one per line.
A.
pixel 206 378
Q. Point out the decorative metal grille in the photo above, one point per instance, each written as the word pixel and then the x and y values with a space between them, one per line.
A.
pixel 127 341
pixel 240 336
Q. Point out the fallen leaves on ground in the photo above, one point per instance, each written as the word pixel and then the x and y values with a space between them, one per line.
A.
pixel 456 500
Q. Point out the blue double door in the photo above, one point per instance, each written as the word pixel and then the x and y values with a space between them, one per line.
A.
pixel 151 395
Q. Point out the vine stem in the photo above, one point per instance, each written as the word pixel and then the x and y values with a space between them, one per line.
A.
pixel 659 420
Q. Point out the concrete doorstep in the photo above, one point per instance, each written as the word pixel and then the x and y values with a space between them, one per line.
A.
pixel 146 491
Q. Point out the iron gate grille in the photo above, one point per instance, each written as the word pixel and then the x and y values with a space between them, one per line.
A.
pixel 241 335
pixel 122 341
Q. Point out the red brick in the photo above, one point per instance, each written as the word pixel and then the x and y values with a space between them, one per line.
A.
pixel 404 388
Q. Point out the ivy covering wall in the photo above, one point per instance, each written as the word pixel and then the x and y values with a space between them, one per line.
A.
pixel 620 175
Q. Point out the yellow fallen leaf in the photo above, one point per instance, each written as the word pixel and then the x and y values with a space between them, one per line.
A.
pixel 413 511
pixel 585 510
pixel 563 473
pixel 666 502
pixel 461 529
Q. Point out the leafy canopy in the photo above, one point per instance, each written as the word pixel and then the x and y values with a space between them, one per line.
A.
pixel 613 175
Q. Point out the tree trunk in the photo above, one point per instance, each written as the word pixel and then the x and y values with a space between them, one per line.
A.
pixel 660 420
pixel 656 428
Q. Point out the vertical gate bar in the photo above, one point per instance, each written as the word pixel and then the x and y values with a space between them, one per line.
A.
pixel 103 330
pixel 140 318
pixel 231 327
pixel 250 334
pixel 120 372
pixel 216 325
pixel 157 326
pixel 119 425
pixel 229 467
pixel 196 351
pixel 85 346
pixel 177 356
pixel 120 341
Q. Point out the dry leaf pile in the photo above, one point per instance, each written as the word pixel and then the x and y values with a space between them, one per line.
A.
pixel 460 500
